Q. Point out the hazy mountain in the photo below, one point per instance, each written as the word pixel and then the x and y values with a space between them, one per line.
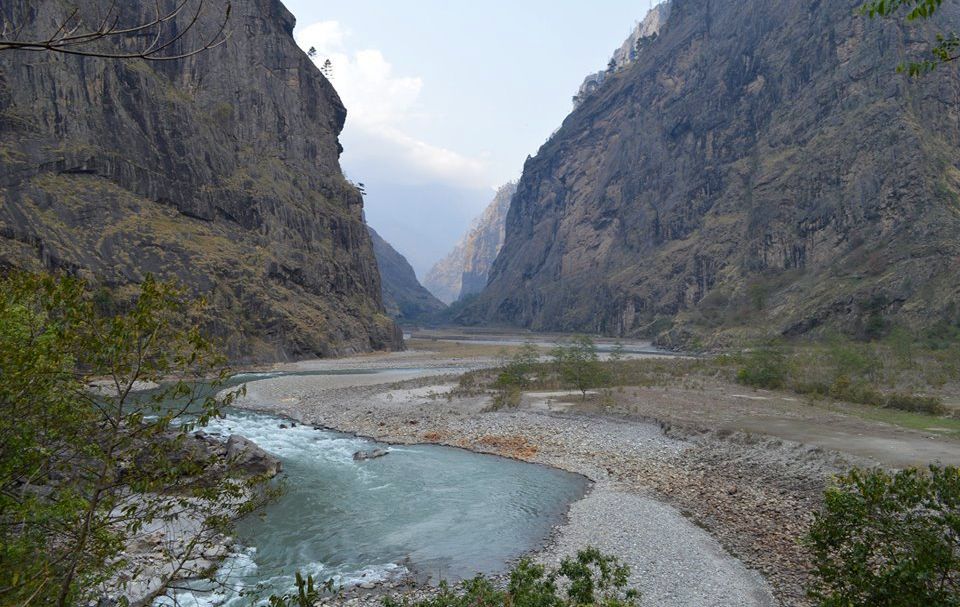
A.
pixel 403 296
pixel 463 271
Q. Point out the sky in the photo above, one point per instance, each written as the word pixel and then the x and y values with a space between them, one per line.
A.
pixel 446 98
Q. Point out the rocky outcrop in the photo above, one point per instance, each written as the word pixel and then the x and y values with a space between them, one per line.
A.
pixel 759 167
pixel 220 170
pixel 403 296
pixel 645 32
pixel 465 269
pixel 483 242
pixel 246 457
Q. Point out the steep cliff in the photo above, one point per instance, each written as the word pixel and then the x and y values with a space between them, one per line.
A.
pixel 403 296
pixel 483 242
pixel 758 167
pixel 445 277
pixel 464 270
pixel 220 170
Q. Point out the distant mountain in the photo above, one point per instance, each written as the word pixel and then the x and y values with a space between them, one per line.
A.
pixel 403 296
pixel 757 168
pixel 220 170
pixel 446 276
pixel 463 271
pixel 483 242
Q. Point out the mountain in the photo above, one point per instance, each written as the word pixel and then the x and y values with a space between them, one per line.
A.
pixel 446 276
pixel 483 242
pixel 220 170
pixel 759 167
pixel 463 271
pixel 403 296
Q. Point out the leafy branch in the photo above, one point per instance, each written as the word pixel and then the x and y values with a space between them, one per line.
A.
pixel 947 48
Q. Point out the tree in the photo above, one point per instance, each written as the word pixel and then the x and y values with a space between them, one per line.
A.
pixel 947 48
pixel 578 364
pixel 887 540
pixel 612 66
pixel 89 462
pixel 313 52
pixel 108 38
pixel 327 69
pixel 518 367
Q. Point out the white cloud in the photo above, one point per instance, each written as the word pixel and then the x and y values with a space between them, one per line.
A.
pixel 382 105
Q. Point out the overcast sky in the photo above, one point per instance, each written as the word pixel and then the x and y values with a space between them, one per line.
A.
pixel 446 98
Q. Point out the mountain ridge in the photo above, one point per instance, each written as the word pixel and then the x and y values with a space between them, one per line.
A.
pixel 733 179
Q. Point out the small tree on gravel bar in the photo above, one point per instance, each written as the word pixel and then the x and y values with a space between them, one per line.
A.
pixel 578 365
pixel 888 540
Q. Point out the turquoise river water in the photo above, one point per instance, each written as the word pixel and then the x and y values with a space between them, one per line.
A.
pixel 423 509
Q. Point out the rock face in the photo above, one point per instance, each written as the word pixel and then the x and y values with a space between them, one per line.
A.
pixel 445 278
pixel 760 166
pixel 644 33
pixel 403 296
pixel 465 269
pixel 220 170
pixel 483 242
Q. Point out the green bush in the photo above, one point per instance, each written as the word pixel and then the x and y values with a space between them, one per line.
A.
pixel 930 405
pixel 578 365
pixel 887 540
pixel 589 579
pixel 764 368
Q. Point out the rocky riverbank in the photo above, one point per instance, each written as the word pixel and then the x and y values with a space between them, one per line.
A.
pixel 702 518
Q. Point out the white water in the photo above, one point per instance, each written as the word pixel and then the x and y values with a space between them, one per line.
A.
pixel 439 511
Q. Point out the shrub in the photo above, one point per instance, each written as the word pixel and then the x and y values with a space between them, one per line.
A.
pixel 515 371
pixel 917 404
pixel 589 579
pixel 764 368
pixel 887 540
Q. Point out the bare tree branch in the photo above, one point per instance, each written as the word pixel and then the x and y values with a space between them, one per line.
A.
pixel 71 38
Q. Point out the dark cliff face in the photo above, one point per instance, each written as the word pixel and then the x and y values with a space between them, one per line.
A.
pixel 220 170
pixel 759 166
pixel 403 295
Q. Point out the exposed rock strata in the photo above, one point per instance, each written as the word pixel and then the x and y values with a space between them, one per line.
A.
pixel 760 166
pixel 483 242
pixel 220 170
pixel 465 269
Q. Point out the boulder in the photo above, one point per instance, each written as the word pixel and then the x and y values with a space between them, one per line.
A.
pixel 247 456
pixel 365 455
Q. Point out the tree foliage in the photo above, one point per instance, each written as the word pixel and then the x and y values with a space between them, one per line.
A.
pixel 90 463
pixel 578 365
pixel 887 540
pixel 591 578
pixel 947 47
